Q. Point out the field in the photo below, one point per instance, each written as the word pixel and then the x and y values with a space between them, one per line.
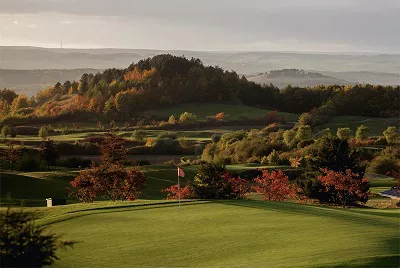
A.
pixel 232 112
pixel 224 234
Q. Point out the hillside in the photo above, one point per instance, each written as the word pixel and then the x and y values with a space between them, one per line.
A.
pixel 295 77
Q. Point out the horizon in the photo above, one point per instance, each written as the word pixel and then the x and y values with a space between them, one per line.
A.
pixel 367 53
pixel 310 26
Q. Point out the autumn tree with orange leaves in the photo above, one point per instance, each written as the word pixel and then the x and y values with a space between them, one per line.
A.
pixel 346 187
pixel 274 186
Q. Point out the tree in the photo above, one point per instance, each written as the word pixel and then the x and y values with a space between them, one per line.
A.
pixel 326 132
pixel 43 132
pixel 23 244
pixel 335 154
pixel 113 182
pixel 112 150
pixel 306 119
pixel 274 186
pixel 391 135
pixel 289 137
pixel 48 152
pixel 273 158
pixel 187 118
pixel 6 131
pixel 343 133
pixel 19 102
pixel 362 133
pixel 212 181
pixel 304 132
pixel 348 187
pixel 172 120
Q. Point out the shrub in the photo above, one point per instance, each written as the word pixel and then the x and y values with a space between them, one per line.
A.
pixel 172 120
pixel 166 145
pixel 289 137
pixel 187 118
pixel 383 165
pixel 168 134
pixel 273 158
pixel 175 192
pixel 391 135
pixel 43 132
pixel 23 244
pixel 139 135
pixel 343 133
pixel 362 133
pixel 304 132
pixel 6 131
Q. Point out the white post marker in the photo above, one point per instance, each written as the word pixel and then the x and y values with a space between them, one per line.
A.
pixel 180 174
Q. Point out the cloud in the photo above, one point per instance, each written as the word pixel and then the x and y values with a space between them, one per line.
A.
pixel 223 24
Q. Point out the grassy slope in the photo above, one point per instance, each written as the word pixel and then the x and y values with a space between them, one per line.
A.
pixel 376 125
pixel 227 234
pixel 207 109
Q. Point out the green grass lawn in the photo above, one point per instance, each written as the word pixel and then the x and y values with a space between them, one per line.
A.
pixel 231 111
pixel 224 234
pixel 376 125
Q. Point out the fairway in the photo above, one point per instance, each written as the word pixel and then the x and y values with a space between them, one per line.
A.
pixel 226 234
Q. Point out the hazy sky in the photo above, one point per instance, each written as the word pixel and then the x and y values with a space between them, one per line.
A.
pixel 234 25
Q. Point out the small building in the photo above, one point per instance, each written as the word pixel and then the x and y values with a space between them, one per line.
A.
pixel 55 202
pixel 394 195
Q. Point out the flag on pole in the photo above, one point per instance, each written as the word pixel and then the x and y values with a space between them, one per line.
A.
pixel 181 173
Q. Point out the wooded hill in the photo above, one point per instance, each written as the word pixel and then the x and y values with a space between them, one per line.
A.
pixel 167 80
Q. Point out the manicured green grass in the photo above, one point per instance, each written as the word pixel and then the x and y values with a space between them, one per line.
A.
pixel 231 111
pixel 225 234
pixel 376 125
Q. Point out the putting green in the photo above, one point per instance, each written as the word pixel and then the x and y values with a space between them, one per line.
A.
pixel 227 234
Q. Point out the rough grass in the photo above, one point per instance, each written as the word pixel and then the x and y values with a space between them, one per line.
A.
pixel 225 234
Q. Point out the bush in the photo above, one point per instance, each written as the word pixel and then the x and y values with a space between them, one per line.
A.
pixel 28 162
pixel 187 118
pixel 362 133
pixel 168 134
pixel 391 135
pixel 343 133
pixel 166 145
pixel 6 131
pixel 383 165
pixel 23 244
pixel 43 132
pixel 273 158
pixel 139 135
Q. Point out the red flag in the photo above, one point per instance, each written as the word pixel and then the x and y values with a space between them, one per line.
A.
pixel 181 173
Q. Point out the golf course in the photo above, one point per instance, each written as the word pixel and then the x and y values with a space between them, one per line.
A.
pixel 245 233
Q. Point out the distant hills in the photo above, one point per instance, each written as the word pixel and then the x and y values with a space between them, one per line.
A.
pixel 338 68
pixel 295 77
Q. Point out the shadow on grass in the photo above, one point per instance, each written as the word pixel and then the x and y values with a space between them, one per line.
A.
pixel 392 261
pixel 367 217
